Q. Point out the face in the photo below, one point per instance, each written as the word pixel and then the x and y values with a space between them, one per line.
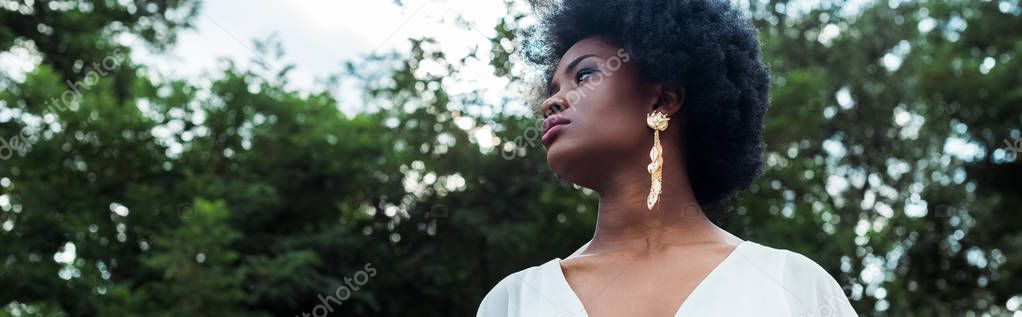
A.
pixel 595 119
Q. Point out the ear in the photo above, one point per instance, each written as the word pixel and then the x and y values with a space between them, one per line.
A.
pixel 669 98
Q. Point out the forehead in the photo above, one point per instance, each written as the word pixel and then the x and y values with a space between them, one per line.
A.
pixel 595 45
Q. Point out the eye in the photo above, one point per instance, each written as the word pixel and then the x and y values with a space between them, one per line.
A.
pixel 584 74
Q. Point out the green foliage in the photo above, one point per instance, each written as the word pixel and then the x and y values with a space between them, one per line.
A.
pixel 199 254
pixel 248 198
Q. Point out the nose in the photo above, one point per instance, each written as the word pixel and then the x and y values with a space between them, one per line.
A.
pixel 553 105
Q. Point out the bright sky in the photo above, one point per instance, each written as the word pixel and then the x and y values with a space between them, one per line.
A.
pixel 317 34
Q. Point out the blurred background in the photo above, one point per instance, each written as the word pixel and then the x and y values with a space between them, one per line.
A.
pixel 256 158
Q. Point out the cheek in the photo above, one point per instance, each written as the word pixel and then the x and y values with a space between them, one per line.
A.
pixel 612 117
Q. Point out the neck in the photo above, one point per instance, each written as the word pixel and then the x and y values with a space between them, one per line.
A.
pixel 625 224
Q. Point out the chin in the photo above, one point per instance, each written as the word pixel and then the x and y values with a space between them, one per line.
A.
pixel 556 157
pixel 569 162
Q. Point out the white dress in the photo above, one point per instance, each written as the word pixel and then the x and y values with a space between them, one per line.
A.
pixel 754 280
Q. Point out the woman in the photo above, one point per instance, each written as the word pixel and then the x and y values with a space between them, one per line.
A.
pixel 658 107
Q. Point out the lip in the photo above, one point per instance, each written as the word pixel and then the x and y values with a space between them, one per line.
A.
pixel 551 126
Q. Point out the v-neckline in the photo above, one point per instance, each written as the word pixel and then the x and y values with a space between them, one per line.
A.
pixel 578 301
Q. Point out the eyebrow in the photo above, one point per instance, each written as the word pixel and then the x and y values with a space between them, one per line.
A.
pixel 567 70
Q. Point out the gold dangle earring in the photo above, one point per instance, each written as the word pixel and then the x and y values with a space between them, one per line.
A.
pixel 658 122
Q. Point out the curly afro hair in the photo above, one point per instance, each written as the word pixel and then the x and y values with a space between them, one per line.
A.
pixel 707 46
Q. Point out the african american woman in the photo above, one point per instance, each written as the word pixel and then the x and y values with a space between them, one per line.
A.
pixel 658 106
